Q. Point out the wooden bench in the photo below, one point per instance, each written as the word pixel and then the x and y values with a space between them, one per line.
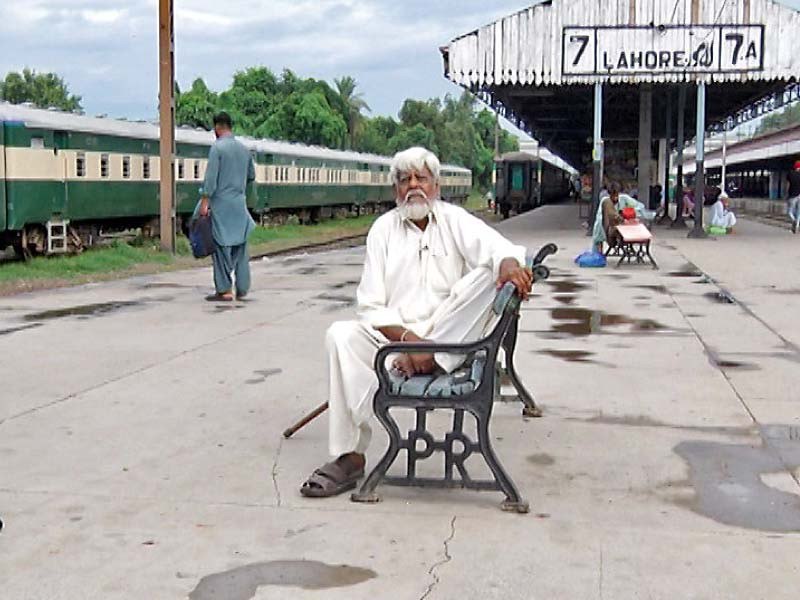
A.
pixel 473 388
pixel 633 244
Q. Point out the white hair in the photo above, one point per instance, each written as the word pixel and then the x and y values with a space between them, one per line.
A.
pixel 416 158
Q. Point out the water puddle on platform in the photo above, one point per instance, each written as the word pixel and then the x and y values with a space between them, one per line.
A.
pixel 11 330
pixel 731 481
pixel 242 583
pixel 84 311
pixel 734 364
pixel 661 289
pixel 543 460
pixel 581 356
pixel 262 374
pixel 583 322
pixel 344 284
pixel 687 270
pixel 156 285
pixel 566 287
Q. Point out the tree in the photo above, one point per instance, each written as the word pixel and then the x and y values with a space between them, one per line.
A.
pixel 197 106
pixel 375 135
pixel 42 89
pixel 418 135
pixel 354 104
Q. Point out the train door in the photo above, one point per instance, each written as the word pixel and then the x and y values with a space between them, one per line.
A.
pixel 517 179
pixel 3 219
pixel 61 200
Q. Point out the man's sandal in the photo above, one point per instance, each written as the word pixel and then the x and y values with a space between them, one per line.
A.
pixel 330 479
pixel 220 298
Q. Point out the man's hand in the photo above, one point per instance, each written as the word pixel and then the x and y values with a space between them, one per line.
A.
pixel 521 277
pixel 413 364
pixel 204 207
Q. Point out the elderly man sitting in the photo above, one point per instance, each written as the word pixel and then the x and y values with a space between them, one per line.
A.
pixel 430 274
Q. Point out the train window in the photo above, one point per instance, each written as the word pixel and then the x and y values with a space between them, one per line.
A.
pixel 146 167
pixel 181 171
pixel 80 164
pixel 104 165
pixel 126 167
pixel 196 171
pixel 37 143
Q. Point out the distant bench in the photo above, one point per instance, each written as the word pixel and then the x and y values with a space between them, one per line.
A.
pixel 634 245
pixel 473 387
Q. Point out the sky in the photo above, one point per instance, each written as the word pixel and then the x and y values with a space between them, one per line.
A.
pixel 107 50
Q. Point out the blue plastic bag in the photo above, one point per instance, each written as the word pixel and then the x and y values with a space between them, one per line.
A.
pixel 200 236
pixel 590 258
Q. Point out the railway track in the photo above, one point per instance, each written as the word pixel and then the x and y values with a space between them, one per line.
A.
pixel 348 241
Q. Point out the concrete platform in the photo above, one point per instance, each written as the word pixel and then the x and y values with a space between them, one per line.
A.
pixel 141 453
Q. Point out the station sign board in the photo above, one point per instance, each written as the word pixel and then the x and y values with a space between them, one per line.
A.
pixel 632 50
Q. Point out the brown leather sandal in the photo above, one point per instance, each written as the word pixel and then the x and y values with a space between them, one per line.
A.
pixel 331 479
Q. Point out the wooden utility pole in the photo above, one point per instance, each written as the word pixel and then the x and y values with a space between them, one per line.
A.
pixel 166 111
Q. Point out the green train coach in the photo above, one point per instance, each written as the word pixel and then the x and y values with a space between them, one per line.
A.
pixel 68 180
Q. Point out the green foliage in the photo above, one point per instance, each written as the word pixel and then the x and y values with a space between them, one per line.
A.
pixel 310 111
pixel 197 106
pixel 42 89
pixel 353 104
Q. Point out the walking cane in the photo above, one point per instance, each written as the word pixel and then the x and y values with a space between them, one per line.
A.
pixel 305 420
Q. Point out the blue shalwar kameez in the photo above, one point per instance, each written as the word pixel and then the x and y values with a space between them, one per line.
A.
pixel 230 168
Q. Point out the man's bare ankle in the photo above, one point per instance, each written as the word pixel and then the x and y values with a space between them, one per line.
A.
pixel 353 458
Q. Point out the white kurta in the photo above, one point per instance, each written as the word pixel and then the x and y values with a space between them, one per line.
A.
pixel 721 217
pixel 439 283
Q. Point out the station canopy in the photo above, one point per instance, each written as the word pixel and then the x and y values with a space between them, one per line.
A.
pixel 538 67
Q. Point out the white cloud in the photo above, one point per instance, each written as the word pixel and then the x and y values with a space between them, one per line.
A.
pixel 107 49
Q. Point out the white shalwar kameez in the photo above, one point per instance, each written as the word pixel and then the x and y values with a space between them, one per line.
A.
pixel 721 217
pixel 438 283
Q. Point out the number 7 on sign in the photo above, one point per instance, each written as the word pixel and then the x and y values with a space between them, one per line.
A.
pixel 579 50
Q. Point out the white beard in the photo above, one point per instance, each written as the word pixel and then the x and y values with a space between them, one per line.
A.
pixel 413 209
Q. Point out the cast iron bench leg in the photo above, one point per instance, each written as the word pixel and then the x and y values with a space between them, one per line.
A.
pixel 367 491
pixel 513 501
pixel 509 343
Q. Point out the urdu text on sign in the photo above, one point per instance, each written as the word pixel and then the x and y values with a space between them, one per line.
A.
pixel 665 49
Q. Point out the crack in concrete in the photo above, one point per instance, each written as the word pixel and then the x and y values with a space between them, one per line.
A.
pixel 275 472
pixel 436 565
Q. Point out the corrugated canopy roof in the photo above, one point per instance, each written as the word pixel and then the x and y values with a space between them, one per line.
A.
pixel 538 66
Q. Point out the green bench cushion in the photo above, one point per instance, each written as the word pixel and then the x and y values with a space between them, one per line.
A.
pixel 462 381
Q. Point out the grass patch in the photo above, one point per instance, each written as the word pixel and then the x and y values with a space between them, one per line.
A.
pixel 117 257
pixel 476 200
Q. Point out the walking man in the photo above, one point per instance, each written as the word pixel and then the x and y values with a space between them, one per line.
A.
pixel 793 197
pixel 230 169
pixel 430 273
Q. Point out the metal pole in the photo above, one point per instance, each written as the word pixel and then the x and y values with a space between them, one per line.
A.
pixel 668 134
pixel 166 110
pixel 724 155
pixel 645 142
pixel 597 155
pixel 699 172
pixel 678 221
pixel 496 153
pixel 538 174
